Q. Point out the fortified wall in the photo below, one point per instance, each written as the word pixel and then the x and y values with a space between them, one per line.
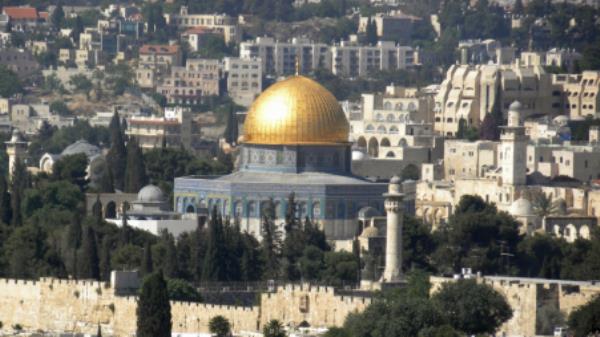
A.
pixel 527 295
pixel 56 305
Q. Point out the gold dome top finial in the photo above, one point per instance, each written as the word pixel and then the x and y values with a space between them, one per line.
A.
pixel 296 111
pixel 297 66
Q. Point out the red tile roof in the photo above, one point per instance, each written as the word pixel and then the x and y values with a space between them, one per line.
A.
pixel 199 30
pixel 159 49
pixel 20 13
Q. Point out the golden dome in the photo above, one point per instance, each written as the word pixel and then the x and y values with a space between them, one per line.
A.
pixel 297 110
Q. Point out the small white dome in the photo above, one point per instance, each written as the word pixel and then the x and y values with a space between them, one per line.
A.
pixel 358 155
pixel 561 120
pixel 370 232
pixel 515 106
pixel 151 193
pixel 521 207
pixel 368 212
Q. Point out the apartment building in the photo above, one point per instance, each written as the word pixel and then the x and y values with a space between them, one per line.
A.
pixel 576 161
pixel 556 57
pixel 20 61
pixel 469 92
pixel 349 59
pixel 175 129
pixel 155 62
pixel 189 84
pixel 464 159
pixel 223 24
pixel 580 93
pixel 244 79
pixel 279 58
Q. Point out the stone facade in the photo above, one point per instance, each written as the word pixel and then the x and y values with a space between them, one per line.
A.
pixel 527 295
pixel 80 306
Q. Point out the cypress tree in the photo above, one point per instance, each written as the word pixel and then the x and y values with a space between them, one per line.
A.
pixel 371 32
pixel 89 264
pixel 99 333
pixel 135 173
pixel 171 266
pixel 198 250
pixel 271 243
pixel 5 209
pixel 117 154
pixel 97 210
pixel 154 309
pixel 147 267
pixel 106 183
pixel 105 259
pixel 231 130
pixel 489 128
pixel 125 234
pixel 19 182
pixel 213 267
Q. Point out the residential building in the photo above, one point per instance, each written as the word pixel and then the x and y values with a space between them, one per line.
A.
pixel 580 93
pixel 564 58
pixel 175 129
pixel 244 79
pixel 28 118
pixel 470 92
pixel 350 59
pixel 20 61
pixel 24 18
pixel 280 58
pixel 196 37
pixel 393 26
pixel 155 62
pixel 188 85
pixel 224 24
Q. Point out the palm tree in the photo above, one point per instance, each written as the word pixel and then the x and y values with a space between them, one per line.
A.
pixel 543 205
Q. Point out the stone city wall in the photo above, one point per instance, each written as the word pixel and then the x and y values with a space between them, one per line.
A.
pixel 80 306
pixel 316 305
pixel 56 305
pixel 526 296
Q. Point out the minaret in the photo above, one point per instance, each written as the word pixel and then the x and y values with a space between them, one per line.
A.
pixel 393 250
pixel 16 149
pixel 513 148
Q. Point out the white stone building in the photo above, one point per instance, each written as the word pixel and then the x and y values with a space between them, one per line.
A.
pixel 244 79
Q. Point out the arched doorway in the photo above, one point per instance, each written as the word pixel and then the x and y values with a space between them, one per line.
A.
pixel 110 212
pixel 373 147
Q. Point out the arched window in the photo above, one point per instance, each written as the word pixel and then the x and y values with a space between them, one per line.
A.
pixel 381 129
pixel 394 129
pixel 399 107
pixel 390 118
pixel 385 143
pixel 390 154
pixel 379 117
pixel 316 210
pixel 387 106
pixel 370 128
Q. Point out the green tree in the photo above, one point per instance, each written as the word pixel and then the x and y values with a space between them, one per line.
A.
pixel 82 84
pixel 9 82
pixel 340 268
pixel 19 182
pixel 274 328
pixel 271 242
pixel 60 108
pixel 219 326
pixel 25 250
pixel 5 209
pixel 231 129
pixel 89 264
pixel 585 320
pixel 147 263
pixel 135 172
pixel 117 154
pixel 72 168
pixel 489 128
pixel 171 264
pixel 471 307
pixel 181 290
pixel 58 17
pixel 153 308
pixel 410 172
pixel 548 317
pixel 105 253
pixel 371 32
pixel 213 268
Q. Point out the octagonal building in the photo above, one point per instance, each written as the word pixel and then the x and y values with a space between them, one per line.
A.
pixel 295 140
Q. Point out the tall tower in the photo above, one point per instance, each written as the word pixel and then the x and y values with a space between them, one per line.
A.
pixel 393 248
pixel 16 149
pixel 513 148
